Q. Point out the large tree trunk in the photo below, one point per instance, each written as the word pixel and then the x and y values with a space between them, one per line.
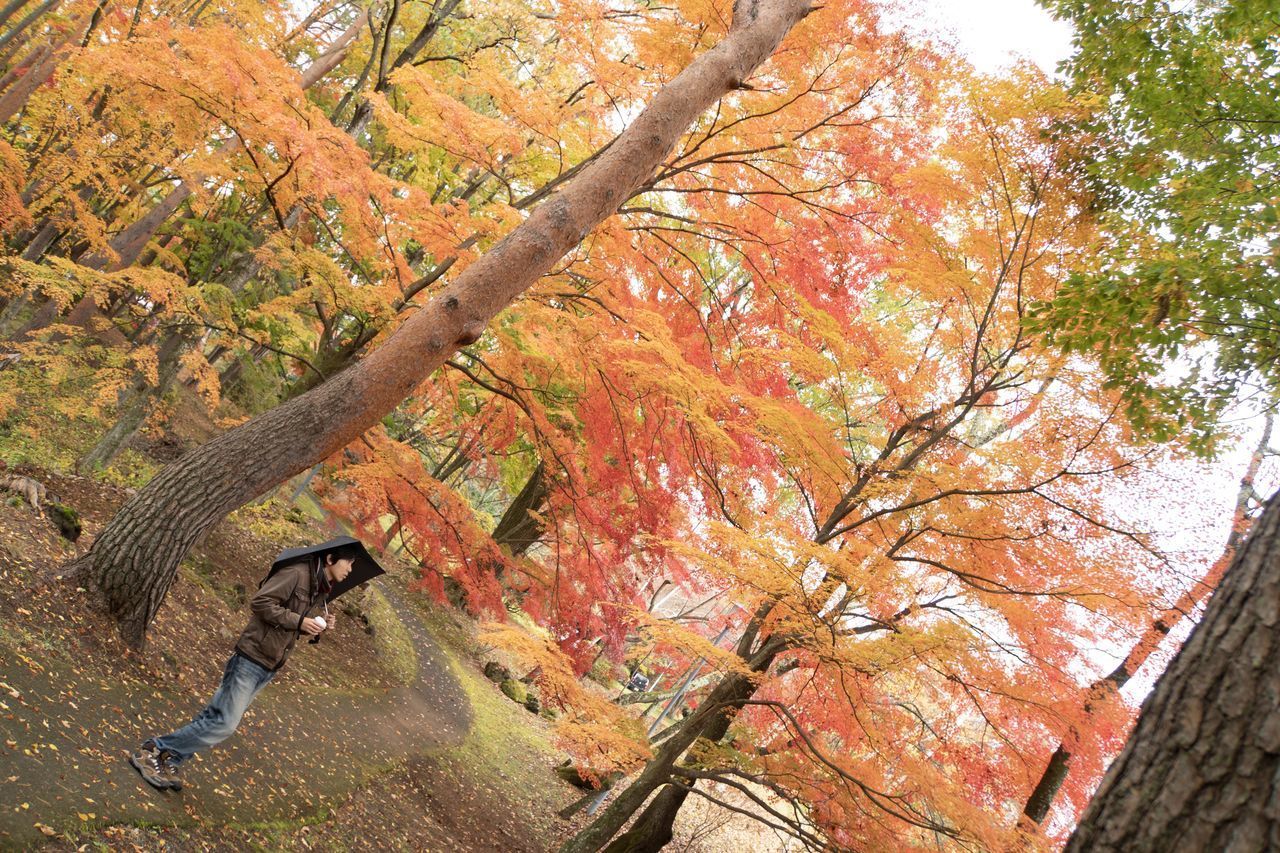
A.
pixel 1106 688
pixel 1202 768
pixel 134 559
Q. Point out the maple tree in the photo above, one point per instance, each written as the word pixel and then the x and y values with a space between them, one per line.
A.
pixel 913 473
pixel 133 569
pixel 716 306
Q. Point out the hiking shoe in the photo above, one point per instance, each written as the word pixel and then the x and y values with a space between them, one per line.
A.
pixel 153 765
pixel 170 768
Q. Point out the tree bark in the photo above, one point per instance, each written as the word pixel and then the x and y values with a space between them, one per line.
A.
pixel 134 559
pixel 1202 768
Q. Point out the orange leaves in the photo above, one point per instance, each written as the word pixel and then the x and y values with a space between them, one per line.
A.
pixel 599 736
pixel 13 212
pixel 671 638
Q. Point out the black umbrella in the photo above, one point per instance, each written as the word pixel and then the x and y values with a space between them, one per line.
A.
pixel 365 567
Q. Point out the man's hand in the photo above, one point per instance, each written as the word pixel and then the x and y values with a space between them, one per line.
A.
pixel 311 626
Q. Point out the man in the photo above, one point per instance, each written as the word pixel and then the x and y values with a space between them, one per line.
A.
pixel 281 613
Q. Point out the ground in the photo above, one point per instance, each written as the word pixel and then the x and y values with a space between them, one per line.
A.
pixel 344 750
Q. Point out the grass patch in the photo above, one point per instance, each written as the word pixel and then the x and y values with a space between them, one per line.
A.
pixel 390 637
pixel 18 638
pixel 508 754
pixel 274 519
pixel 130 470
pixel 201 572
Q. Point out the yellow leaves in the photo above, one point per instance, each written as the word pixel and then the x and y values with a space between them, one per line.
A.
pixel 206 377
pixel 441 118
pixel 599 735
pixel 13 211
pixel 600 749
pixel 145 361
pixel 56 278
pixel 671 635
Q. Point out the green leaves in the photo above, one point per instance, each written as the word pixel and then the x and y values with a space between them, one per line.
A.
pixel 1181 146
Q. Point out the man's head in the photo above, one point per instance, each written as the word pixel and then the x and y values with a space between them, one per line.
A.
pixel 337 563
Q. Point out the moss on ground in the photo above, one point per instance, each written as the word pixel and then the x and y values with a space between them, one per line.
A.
pixel 394 645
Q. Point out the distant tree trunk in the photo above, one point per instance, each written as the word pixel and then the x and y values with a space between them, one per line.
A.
pixel 133 560
pixel 44 237
pixel 129 244
pixel 40 65
pixel 519 528
pixel 1202 768
pixel 1106 688
pixel 23 67
pixel 653 828
pixel 20 27
pixel 9 8
pixel 135 405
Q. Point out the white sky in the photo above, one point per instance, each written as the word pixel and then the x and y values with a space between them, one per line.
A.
pixel 995 33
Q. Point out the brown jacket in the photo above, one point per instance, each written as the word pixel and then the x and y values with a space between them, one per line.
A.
pixel 279 606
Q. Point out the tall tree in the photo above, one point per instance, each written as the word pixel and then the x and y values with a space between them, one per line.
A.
pixel 1199 771
pixel 133 560
pixel 896 535
pixel 1183 153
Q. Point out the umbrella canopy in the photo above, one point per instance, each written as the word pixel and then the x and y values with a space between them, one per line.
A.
pixel 365 567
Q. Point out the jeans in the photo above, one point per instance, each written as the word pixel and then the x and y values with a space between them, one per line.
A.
pixel 241 681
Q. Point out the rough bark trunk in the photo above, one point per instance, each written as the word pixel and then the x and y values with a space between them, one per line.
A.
pixel 40 242
pixel 133 561
pixel 1202 768
pixel 1106 688
pixel 23 66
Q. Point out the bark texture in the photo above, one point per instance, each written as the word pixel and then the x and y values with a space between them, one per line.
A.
pixel 1202 769
pixel 133 561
